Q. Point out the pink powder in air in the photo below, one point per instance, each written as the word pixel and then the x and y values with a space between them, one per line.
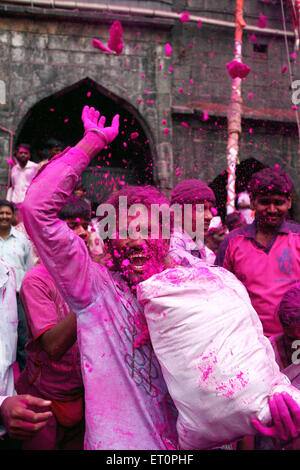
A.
pixel 98 45
pixel 168 49
pixel 184 17
pixel 115 42
pixel 262 22
pixel 134 135
pixel 237 69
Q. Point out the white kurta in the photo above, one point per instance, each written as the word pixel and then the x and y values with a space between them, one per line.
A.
pixel 20 180
pixel 8 331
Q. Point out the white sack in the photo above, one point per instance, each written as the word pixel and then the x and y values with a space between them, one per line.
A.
pixel 219 367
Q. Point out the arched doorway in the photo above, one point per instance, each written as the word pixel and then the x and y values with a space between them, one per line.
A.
pixel 128 159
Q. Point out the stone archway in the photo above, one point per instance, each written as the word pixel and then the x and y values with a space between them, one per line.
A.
pixel 129 158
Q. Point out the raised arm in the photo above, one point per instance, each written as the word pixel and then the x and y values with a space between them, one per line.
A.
pixel 64 254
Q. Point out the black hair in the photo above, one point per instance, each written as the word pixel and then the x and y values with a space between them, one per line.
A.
pixel 4 202
pixel 51 143
pixel 231 220
pixel 270 181
pixel 75 207
pixel 289 307
pixel 26 146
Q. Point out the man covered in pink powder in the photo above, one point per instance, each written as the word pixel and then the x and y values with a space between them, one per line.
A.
pixel 53 369
pixel 265 255
pixel 127 404
pixel 196 197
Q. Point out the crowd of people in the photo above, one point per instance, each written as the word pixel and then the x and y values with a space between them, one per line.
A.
pixel 78 369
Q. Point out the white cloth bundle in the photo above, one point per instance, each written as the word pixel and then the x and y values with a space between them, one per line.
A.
pixel 219 367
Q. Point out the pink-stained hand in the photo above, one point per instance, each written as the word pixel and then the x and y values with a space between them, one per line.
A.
pixel 92 120
pixel 285 413
pixel 19 420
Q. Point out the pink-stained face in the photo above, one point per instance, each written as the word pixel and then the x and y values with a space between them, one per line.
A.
pixel 292 332
pixel 138 256
pixel 271 209
pixel 192 213
pixel 55 150
pixel 23 155
pixel 80 226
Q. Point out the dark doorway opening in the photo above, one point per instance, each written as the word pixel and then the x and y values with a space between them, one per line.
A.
pixel 244 171
pixel 127 160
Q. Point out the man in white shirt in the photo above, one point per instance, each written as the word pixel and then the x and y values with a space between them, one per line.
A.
pixel 17 420
pixel 8 329
pixel 17 252
pixel 21 175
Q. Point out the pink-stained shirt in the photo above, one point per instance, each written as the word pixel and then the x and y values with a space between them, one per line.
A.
pixel 127 404
pixel 20 180
pixel 266 272
pixel 44 307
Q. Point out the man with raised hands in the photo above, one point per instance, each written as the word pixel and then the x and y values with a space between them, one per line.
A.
pixel 127 404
